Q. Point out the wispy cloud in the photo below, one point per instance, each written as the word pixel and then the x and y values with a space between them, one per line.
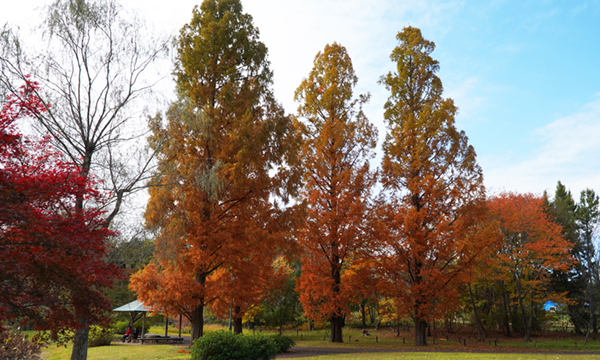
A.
pixel 569 151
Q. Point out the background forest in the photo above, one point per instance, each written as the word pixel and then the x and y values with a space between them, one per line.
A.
pixel 256 216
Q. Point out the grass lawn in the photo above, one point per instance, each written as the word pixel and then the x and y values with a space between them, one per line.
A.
pixel 451 356
pixel 119 352
pixel 386 339
pixel 444 348
pixel 156 352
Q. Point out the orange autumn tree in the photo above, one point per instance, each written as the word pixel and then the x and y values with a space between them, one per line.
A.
pixel 531 247
pixel 228 158
pixel 435 192
pixel 338 143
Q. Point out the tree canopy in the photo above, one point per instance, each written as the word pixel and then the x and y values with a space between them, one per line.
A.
pixel 51 250
pixel 436 186
pixel 335 153
pixel 229 150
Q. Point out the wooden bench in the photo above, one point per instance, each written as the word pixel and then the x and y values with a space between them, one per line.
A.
pixel 161 339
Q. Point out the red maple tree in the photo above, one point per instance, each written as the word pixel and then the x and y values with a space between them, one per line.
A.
pixel 51 251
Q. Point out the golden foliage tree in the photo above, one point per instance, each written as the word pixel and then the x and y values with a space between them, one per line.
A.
pixel 435 187
pixel 337 146
pixel 229 155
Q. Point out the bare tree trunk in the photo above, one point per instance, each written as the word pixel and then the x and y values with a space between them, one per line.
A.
pixel 506 309
pixel 574 319
pixel 420 332
pixel 481 334
pixel 237 321
pixel 280 320
pixel 336 328
pixel 526 322
pixel 363 313
pixel 197 322
pixel 80 343
pixel 589 327
pixel 336 320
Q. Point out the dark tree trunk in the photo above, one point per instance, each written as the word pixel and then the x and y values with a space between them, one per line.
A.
pixel 336 319
pixel 448 325
pixel 280 320
pixel 237 321
pixel 197 322
pixel 198 313
pixel 363 313
pixel 524 317
pixel 80 344
pixel 480 329
pixel 574 319
pixel 336 328
pixel 372 314
pixel 589 327
pixel 506 309
pixel 420 332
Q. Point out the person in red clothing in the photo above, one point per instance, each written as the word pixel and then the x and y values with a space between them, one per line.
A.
pixel 127 334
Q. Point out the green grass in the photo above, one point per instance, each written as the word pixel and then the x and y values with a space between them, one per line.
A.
pixel 383 339
pixel 452 356
pixel 174 330
pixel 119 352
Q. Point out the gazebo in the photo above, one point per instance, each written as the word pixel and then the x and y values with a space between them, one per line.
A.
pixel 137 310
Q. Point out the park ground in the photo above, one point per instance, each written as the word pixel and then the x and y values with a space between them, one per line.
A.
pixel 383 344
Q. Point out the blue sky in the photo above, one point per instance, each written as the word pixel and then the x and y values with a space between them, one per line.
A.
pixel 524 74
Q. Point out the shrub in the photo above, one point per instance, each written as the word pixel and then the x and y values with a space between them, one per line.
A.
pixel 100 336
pixel 260 347
pixel 223 345
pixel 16 346
pixel 283 343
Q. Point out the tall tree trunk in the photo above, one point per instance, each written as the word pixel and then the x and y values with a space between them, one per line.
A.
pixel 336 319
pixel 280 320
pixel 481 334
pixel 336 328
pixel 574 319
pixel 526 323
pixel 237 321
pixel 506 309
pixel 420 332
pixel 363 313
pixel 448 324
pixel 80 344
pixel 589 327
pixel 81 336
pixel 198 312
pixel 197 322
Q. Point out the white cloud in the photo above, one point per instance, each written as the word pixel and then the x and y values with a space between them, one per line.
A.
pixel 569 151
pixel 468 96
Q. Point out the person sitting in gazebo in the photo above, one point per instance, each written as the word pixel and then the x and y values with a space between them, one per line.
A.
pixel 127 334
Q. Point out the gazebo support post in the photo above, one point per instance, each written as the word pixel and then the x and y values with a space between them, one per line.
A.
pixel 132 318
pixel 144 325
